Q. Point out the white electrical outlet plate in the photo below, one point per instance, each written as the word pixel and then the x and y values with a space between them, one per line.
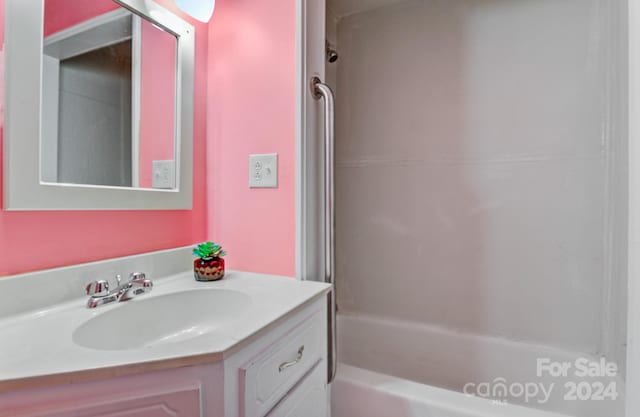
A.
pixel 263 171
pixel 163 174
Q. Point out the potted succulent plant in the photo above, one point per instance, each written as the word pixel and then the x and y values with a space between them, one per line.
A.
pixel 209 265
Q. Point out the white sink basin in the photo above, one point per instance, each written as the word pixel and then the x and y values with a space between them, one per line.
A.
pixel 171 318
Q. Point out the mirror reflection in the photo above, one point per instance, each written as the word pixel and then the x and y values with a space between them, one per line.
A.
pixel 108 97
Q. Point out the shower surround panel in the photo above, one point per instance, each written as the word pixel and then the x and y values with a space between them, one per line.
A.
pixel 481 174
pixel 474 145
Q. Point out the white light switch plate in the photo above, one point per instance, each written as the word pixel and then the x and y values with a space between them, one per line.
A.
pixel 263 171
pixel 163 174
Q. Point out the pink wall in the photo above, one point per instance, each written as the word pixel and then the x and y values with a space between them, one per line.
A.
pixel 157 94
pixel 252 84
pixel 250 89
pixel 61 14
pixel 38 240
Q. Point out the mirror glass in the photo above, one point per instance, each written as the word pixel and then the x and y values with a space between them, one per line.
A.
pixel 108 97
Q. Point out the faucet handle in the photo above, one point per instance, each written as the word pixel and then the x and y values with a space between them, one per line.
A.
pixel 137 276
pixel 138 284
pixel 98 288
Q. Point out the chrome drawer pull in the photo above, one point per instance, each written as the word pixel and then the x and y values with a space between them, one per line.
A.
pixel 286 365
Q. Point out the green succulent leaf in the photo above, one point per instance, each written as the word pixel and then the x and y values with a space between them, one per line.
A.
pixel 208 250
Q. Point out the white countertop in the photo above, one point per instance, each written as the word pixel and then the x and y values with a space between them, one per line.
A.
pixel 36 348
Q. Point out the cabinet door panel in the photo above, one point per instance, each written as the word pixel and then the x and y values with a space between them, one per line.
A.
pixel 184 403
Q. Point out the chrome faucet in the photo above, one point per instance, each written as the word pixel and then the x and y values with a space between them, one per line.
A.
pixel 99 293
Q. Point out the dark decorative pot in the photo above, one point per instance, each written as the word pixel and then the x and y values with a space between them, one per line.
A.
pixel 208 269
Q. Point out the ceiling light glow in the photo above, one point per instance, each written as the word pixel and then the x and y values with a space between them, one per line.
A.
pixel 201 10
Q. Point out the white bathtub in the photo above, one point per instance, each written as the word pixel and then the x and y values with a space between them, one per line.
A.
pixel 358 392
pixel 400 369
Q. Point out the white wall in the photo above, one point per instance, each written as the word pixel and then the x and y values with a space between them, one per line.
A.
pixel 331 35
pixel 348 7
pixel 478 168
pixel 633 377
pixel 331 31
pixel 94 137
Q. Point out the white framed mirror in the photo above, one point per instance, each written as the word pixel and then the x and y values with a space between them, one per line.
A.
pixel 99 106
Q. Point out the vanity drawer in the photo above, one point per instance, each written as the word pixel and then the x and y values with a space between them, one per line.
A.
pixel 308 399
pixel 268 377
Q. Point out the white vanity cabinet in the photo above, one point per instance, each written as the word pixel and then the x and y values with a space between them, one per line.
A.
pixel 279 371
pixel 183 392
pixel 178 403
pixel 279 366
